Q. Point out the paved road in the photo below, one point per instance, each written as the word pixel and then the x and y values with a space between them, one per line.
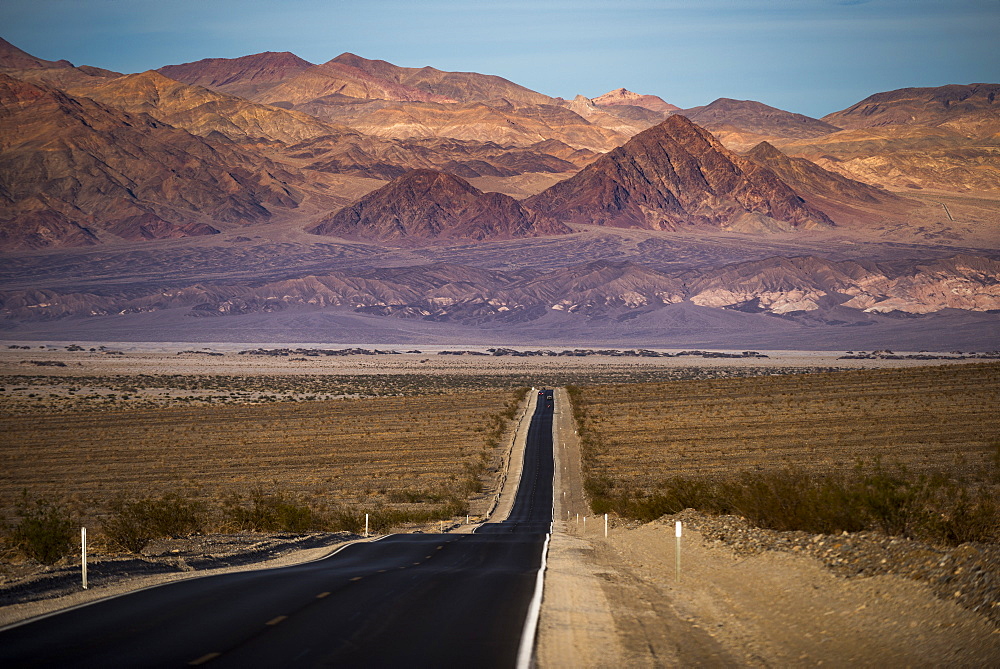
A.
pixel 424 600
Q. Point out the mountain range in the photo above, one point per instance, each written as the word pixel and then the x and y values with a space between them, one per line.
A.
pixel 464 200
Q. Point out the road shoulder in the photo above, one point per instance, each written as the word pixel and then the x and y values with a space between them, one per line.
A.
pixel 576 624
pixel 616 601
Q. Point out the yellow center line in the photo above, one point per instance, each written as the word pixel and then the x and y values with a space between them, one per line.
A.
pixel 322 595
pixel 276 620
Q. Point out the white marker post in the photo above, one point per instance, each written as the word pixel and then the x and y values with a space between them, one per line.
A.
pixel 366 525
pixel 677 551
pixel 605 526
pixel 83 555
pixel 584 524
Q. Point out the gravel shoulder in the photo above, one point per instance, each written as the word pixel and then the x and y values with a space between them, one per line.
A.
pixel 750 597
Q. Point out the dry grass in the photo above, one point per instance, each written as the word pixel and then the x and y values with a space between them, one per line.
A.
pixel 913 452
pixel 930 418
pixel 354 452
pixel 62 390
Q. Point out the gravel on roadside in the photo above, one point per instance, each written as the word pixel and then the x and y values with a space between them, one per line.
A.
pixel 968 574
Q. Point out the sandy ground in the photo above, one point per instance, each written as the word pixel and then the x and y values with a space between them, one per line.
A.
pixel 615 601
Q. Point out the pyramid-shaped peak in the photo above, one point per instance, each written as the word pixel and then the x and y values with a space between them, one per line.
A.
pixel 765 150
pixel 671 176
pixel 426 204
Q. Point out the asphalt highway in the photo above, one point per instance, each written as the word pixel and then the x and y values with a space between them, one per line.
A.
pixel 413 600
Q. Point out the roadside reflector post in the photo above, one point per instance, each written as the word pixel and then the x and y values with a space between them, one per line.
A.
pixel 677 551
pixel 83 555
pixel 584 524
pixel 605 526
pixel 366 525
pixel 466 519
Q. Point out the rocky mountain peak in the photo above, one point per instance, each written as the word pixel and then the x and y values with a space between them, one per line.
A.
pixel 674 175
pixel 623 96
pixel 426 204
pixel 766 151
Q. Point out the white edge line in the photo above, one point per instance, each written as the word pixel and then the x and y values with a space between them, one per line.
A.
pixel 527 646
pixel 81 605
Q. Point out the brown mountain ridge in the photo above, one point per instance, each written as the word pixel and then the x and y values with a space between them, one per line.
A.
pixel 674 176
pixel 425 204
pixel 844 200
pixel 214 160
pixel 972 110
pixel 93 166
pixel 246 76
pixel 625 97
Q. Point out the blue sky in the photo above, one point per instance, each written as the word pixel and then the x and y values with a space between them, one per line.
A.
pixel 807 56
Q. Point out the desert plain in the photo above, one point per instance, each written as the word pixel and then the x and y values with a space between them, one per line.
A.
pixel 406 430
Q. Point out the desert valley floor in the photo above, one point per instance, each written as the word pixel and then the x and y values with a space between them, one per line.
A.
pixel 231 406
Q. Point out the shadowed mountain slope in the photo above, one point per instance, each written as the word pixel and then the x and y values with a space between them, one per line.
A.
pixel 673 176
pixel 845 200
pixel 200 111
pixel 129 175
pixel 424 204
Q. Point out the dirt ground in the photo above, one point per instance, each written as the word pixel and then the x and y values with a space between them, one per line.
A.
pixel 615 601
